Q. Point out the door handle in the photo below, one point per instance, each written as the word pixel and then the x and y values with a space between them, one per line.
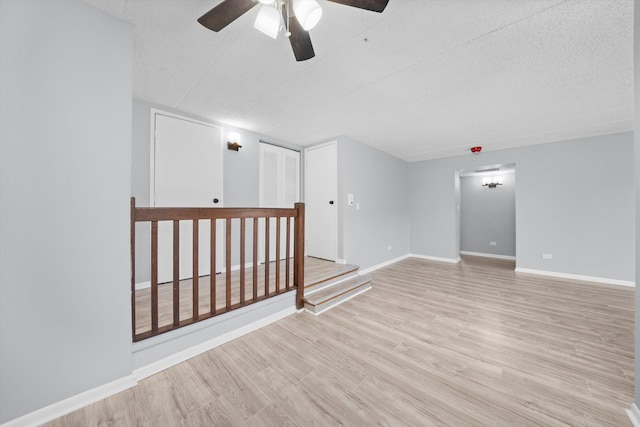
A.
pixel 215 200
pixel 330 202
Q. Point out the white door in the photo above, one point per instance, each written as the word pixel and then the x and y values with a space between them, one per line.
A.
pixel 321 210
pixel 279 188
pixel 186 172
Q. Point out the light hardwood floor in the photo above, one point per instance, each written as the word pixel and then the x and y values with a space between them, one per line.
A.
pixel 472 344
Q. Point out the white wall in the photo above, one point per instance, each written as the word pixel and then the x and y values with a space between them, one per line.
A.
pixel 575 200
pixel 488 215
pixel 379 230
pixel 65 141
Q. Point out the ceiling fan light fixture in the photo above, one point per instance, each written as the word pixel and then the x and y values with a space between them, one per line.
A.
pixel 308 13
pixel 268 21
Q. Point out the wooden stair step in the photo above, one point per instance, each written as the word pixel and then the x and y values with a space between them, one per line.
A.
pixel 336 294
pixel 337 271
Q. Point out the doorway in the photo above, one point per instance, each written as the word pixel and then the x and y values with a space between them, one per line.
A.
pixel 321 193
pixel 487 212
pixel 279 188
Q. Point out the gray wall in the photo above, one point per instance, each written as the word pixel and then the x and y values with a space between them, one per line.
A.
pixel 434 198
pixel 379 184
pixel 488 215
pixel 65 140
pixel 564 206
pixel 240 179
pixel 636 58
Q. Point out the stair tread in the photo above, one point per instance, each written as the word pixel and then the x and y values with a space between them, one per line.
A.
pixel 337 290
pixel 344 270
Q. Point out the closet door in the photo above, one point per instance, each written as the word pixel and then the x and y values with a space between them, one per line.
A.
pixel 279 188
pixel 321 209
pixel 186 171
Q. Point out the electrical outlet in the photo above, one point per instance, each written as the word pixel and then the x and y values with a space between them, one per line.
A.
pixel 493 243
pixel 547 256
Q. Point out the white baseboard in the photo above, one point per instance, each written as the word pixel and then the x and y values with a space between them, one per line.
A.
pixel 341 261
pixel 435 258
pixel 603 280
pixel 634 415
pixel 484 255
pixel 63 407
pixel 383 264
pixel 143 285
pixel 181 356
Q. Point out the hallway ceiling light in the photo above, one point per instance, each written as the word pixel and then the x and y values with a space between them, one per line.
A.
pixel 492 182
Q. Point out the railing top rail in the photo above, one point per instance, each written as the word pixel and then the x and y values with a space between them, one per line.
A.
pixel 169 214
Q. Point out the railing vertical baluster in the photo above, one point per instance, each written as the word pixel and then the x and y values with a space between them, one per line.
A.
pixel 212 268
pixel 288 253
pixel 298 262
pixel 228 266
pixel 133 265
pixel 277 254
pixel 195 292
pixel 266 256
pixel 154 276
pixel 176 273
pixel 242 260
pixel 255 259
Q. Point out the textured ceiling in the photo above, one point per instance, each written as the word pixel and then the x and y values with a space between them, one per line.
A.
pixel 424 79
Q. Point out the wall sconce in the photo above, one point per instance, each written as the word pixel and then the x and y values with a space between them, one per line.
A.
pixel 234 141
pixel 492 182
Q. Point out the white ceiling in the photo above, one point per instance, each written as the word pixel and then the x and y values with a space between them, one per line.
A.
pixel 424 79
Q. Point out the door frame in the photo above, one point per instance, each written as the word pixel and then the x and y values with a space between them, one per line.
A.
pixel 152 150
pixel 261 239
pixel 306 195
pixel 154 112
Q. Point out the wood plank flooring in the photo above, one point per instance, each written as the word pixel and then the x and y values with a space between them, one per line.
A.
pixel 472 344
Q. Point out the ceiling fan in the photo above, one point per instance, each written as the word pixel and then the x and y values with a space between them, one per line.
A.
pixel 295 16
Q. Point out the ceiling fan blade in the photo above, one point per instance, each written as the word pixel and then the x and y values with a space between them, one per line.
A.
pixel 225 13
pixel 300 41
pixel 373 5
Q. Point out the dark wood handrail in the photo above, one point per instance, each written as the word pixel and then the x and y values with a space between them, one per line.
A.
pixel 246 296
pixel 169 214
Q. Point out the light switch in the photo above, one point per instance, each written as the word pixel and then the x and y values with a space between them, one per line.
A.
pixel 350 199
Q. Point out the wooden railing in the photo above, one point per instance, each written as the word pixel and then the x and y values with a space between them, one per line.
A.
pixel 162 307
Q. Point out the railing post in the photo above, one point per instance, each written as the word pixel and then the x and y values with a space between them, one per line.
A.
pixel 132 204
pixel 298 257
